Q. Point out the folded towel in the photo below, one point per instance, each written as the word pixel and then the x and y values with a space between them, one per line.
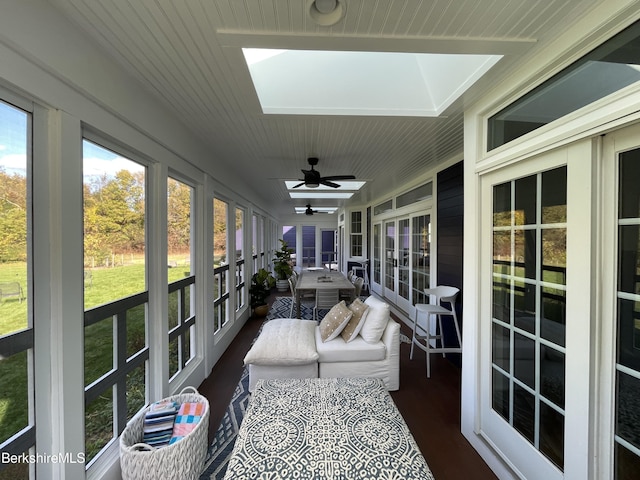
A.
pixel 158 423
pixel 188 416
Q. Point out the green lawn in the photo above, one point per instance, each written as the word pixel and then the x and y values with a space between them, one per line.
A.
pixel 103 286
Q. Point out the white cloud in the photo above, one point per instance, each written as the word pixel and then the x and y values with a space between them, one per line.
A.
pixel 93 166
pixel 14 163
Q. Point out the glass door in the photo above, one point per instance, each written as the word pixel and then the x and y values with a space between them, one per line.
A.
pixel 536 338
pixel 376 254
pixel 403 287
pixel 328 249
pixel 390 260
pixel 420 257
pixel 621 308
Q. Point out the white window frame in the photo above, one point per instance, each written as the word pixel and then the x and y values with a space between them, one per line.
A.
pixel 513 448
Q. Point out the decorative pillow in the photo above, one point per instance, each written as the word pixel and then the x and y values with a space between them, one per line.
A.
pixel 376 321
pixel 334 322
pixel 359 310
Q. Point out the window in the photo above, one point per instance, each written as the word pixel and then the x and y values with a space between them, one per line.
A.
pixel 240 261
pixel 627 429
pixel 220 264
pixel 356 234
pixel 115 294
pixel 181 279
pixel 607 69
pixel 383 207
pixel 17 424
pixel 529 308
pixel 423 192
pixel 257 242
pixel 289 236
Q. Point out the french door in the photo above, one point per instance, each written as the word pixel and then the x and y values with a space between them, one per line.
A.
pixel 536 335
pixel 390 263
pixel 620 378
pixel 401 260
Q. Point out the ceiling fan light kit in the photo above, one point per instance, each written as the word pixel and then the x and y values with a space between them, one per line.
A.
pixel 313 179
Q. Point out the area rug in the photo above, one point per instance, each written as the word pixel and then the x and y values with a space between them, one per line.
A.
pixel 220 449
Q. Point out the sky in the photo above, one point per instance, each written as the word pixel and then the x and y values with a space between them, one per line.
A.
pixel 97 160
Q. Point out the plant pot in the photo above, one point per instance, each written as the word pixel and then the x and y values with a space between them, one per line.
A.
pixel 282 285
pixel 261 310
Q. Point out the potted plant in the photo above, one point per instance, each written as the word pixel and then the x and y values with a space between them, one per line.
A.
pixel 261 284
pixel 282 266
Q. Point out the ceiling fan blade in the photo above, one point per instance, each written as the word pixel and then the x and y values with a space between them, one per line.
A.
pixel 326 182
pixel 298 185
pixel 339 177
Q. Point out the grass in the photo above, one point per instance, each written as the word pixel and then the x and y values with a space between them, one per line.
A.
pixel 104 286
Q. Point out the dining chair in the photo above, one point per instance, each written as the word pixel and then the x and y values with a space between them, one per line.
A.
pixel 358 283
pixel 304 299
pixel 325 300
pixel 422 337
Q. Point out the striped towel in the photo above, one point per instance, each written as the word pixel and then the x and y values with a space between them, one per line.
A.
pixel 158 423
pixel 188 416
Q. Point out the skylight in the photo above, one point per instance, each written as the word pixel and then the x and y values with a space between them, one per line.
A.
pixel 316 82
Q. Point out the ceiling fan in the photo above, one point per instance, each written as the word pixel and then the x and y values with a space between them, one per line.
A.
pixel 313 179
pixel 310 211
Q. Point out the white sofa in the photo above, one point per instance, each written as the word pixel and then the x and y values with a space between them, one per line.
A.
pixel 338 359
pixel 293 348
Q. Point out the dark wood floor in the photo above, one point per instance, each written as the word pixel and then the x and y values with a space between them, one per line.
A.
pixel 431 407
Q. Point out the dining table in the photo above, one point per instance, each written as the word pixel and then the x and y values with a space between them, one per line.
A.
pixel 314 280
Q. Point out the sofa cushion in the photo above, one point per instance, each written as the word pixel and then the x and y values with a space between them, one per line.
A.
pixel 334 321
pixel 376 321
pixel 351 331
pixel 337 350
pixel 284 341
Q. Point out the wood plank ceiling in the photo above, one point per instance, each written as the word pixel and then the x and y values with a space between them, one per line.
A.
pixel 187 53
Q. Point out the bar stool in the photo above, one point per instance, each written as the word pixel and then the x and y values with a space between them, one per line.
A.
pixel 364 268
pixel 424 311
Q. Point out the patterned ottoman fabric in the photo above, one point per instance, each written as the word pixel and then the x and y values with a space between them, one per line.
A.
pixel 325 429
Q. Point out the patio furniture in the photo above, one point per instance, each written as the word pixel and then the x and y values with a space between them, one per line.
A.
pixel 11 289
pixel 312 281
pixel 293 348
pixel 325 299
pixel 422 337
pixel 362 271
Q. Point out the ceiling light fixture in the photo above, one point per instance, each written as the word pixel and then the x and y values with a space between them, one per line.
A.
pixel 326 12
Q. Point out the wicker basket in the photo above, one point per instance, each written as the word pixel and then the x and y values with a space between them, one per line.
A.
pixel 183 460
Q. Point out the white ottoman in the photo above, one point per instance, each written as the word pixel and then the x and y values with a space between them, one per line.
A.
pixel 285 348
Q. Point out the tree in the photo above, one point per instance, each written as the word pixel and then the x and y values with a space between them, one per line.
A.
pixel 114 214
pixel 13 217
pixel 178 216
